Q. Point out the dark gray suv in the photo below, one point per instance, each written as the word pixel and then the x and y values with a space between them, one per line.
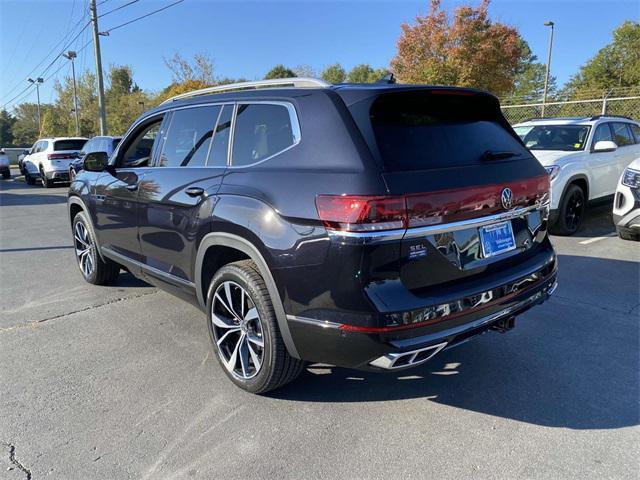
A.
pixel 365 226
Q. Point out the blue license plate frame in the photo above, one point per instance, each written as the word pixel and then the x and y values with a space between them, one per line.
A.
pixel 497 239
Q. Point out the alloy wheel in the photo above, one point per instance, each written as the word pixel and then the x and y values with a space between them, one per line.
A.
pixel 84 249
pixel 575 207
pixel 237 330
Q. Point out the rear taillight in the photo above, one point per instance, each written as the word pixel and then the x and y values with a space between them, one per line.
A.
pixel 362 213
pixel 358 213
pixel 61 156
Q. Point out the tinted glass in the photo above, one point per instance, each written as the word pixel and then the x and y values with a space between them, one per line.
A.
pixel 554 137
pixel 261 131
pixel 68 145
pixel 189 136
pixel 622 134
pixel 420 130
pixel 218 154
pixel 603 133
pixel 636 131
pixel 138 153
pixel 43 146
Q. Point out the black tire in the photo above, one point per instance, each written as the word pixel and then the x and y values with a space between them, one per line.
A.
pixel 46 183
pixel 103 272
pixel 277 368
pixel 6 174
pixel 628 234
pixel 571 211
pixel 29 179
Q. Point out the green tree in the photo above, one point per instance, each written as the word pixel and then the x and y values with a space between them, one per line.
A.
pixel 125 100
pixel 6 128
pixel 529 80
pixel 364 73
pixel 279 71
pixel 334 74
pixel 466 50
pixel 615 65
pixel 25 128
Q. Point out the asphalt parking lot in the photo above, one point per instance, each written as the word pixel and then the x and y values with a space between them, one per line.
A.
pixel 120 381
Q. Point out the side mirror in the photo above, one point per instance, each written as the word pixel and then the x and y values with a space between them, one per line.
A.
pixel 26 152
pixel 605 146
pixel 95 162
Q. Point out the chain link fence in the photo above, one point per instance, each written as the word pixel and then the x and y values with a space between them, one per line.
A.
pixel 626 106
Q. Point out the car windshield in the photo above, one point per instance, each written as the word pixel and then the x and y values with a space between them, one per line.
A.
pixel 568 138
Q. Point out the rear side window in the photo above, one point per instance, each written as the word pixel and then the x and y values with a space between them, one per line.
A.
pixel 189 137
pixel 420 130
pixel 261 131
pixel 622 134
pixel 68 145
pixel 220 144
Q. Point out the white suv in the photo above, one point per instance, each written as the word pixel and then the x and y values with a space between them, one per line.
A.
pixel 49 159
pixel 584 157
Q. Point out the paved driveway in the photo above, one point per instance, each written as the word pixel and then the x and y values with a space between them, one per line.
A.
pixel 120 382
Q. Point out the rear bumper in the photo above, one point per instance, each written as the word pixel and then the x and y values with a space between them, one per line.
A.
pixel 62 175
pixel 410 345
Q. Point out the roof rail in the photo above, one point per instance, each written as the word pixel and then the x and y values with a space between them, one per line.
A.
pixel 596 117
pixel 296 82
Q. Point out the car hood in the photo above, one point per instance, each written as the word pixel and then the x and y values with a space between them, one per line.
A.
pixel 635 164
pixel 551 157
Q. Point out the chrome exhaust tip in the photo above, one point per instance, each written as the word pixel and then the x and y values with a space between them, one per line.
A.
pixel 393 361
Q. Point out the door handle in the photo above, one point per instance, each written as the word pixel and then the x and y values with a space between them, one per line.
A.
pixel 194 191
pixel 132 187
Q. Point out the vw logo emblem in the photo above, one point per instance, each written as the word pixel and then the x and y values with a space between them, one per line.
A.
pixel 507 198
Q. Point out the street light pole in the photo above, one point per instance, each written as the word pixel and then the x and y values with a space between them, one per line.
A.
pixel 546 77
pixel 71 55
pixel 37 82
pixel 96 50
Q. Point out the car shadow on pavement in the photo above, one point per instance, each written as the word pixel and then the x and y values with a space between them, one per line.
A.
pixel 566 364
pixel 598 221
pixel 39 195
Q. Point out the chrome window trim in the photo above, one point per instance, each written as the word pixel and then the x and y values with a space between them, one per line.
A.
pixel 417 232
pixel 295 128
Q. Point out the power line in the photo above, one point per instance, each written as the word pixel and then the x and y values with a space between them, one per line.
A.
pixel 143 16
pixel 118 8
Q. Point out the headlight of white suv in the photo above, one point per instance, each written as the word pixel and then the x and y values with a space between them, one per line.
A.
pixel 553 171
pixel 631 178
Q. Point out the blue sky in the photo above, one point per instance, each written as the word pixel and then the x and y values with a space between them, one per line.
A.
pixel 247 38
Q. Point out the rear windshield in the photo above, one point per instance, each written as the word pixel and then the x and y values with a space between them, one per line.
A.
pixel 422 130
pixel 568 138
pixel 68 145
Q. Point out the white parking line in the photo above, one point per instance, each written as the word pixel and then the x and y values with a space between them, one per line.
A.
pixel 597 239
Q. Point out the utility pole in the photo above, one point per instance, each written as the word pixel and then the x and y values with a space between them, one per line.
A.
pixel 546 78
pixel 96 50
pixel 71 55
pixel 37 82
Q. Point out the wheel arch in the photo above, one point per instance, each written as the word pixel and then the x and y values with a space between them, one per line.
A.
pixel 579 179
pixel 76 205
pixel 249 251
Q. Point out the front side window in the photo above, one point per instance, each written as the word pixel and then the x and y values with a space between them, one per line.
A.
pixel 189 137
pixel 602 134
pixel 261 131
pixel 622 134
pixel 568 138
pixel 139 152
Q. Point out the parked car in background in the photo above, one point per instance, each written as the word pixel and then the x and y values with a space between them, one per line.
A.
pixel 5 167
pixel 50 158
pixel 365 226
pixel 21 158
pixel 626 205
pixel 584 157
pixel 105 144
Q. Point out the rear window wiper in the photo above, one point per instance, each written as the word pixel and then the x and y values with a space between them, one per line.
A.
pixel 491 155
